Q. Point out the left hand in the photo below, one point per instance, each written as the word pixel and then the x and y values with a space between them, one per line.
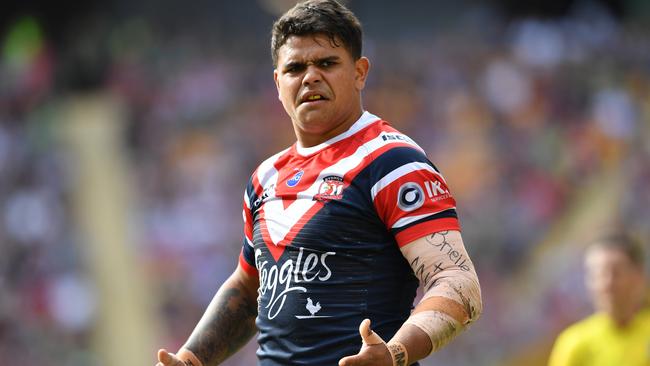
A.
pixel 168 359
pixel 373 351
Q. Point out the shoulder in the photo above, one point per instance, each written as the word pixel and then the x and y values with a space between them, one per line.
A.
pixel 583 330
pixel 267 168
pixel 385 137
pixel 389 148
pixel 392 154
pixel 644 317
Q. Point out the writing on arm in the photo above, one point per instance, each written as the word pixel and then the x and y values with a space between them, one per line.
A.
pixel 452 297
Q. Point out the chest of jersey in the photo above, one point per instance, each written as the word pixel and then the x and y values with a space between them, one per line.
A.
pixel 319 245
pixel 324 256
pixel 308 196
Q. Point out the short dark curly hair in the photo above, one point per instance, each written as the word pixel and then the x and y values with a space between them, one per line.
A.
pixel 623 242
pixel 312 17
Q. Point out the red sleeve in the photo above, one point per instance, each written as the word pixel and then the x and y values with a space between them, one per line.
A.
pixel 247 267
pixel 413 200
pixel 247 255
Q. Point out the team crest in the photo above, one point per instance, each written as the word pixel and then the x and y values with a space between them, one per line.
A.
pixel 330 189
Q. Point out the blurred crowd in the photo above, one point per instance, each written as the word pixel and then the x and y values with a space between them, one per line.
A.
pixel 519 115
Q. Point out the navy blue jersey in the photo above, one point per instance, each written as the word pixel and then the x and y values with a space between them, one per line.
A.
pixel 323 230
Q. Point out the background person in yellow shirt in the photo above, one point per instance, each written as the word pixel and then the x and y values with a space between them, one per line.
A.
pixel 618 333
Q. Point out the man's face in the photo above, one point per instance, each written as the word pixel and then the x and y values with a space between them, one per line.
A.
pixel 319 85
pixel 615 283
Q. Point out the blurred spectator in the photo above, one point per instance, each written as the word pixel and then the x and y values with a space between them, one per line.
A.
pixel 618 333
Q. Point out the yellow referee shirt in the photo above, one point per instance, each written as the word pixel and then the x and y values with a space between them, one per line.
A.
pixel 596 341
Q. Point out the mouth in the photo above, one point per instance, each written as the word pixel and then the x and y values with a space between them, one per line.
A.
pixel 312 98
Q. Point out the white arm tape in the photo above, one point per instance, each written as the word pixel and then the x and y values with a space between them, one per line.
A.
pixel 440 327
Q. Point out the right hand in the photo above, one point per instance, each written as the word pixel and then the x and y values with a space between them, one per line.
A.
pixel 373 349
pixel 168 359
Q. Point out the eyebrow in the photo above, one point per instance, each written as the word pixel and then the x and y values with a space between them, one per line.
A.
pixel 292 64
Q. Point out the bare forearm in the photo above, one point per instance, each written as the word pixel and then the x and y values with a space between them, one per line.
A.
pixel 227 324
pixel 451 298
pixel 444 269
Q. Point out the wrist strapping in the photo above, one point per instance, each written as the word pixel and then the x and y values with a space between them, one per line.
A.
pixel 188 357
pixel 398 353
pixel 440 327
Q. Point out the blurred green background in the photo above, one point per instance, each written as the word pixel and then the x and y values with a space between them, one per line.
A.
pixel 128 131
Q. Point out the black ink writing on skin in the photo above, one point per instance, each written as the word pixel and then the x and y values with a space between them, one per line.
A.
pixel 419 270
pixel 400 359
pixel 437 268
pixel 399 355
pixel 439 241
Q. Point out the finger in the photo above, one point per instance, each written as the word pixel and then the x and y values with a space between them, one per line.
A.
pixel 348 360
pixel 166 358
pixel 363 358
pixel 368 336
pixel 163 355
pixel 344 361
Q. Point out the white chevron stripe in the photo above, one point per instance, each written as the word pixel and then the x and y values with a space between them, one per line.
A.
pixel 279 220
pixel 247 200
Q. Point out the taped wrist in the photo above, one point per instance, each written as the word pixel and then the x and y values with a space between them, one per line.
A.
pixel 188 357
pixel 398 353
pixel 439 326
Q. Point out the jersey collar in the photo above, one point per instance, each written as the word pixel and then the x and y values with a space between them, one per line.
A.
pixel 363 121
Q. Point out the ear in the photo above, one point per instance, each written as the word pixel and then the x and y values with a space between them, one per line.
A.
pixel 277 82
pixel 361 67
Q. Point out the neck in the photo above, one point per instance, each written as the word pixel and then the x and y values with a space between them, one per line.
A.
pixel 310 139
pixel 623 317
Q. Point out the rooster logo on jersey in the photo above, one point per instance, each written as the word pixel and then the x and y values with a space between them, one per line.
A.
pixel 330 189
pixel 313 309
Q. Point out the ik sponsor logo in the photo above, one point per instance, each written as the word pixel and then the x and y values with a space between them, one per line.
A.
pixel 411 196
pixel 435 190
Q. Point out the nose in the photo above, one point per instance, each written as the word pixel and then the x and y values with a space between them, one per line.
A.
pixel 312 75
